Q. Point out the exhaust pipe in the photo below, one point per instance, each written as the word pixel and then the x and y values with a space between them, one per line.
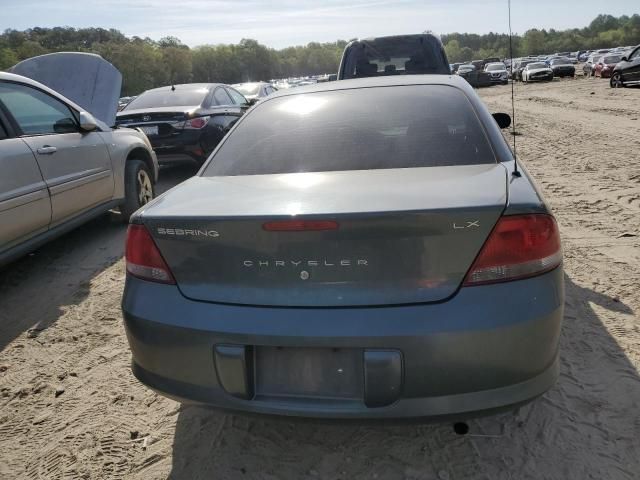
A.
pixel 461 428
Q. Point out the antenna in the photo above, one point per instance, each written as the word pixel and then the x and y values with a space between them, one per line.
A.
pixel 516 172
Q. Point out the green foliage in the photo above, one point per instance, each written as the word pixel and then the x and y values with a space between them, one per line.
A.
pixel 603 32
pixel 146 63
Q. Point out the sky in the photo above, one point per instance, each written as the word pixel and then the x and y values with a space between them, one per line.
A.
pixel 282 23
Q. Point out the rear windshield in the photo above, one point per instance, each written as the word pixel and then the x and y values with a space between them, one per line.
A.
pixel 612 59
pixel 359 129
pixel 168 98
pixel 560 61
pixel 248 88
pixel 394 56
pixel 533 66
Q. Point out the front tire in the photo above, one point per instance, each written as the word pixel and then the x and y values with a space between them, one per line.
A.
pixel 138 188
pixel 616 81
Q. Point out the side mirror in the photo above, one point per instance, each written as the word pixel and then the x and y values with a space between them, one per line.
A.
pixel 502 119
pixel 624 59
pixel 87 122
pixel 252 101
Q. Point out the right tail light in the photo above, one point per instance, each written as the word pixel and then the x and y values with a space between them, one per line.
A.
pixel 520 246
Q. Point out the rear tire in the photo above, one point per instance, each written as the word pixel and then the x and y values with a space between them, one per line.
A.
pixel 616 81
pixel 138 188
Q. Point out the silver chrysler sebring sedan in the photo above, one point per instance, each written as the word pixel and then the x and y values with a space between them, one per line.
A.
pixel 359 249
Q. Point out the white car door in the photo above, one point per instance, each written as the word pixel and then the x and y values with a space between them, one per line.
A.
pixel 75 165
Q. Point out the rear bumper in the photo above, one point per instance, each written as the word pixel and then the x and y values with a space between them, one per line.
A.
pixel 489 347
pixel 189 146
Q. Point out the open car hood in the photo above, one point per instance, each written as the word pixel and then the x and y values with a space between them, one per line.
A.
pixel 86 79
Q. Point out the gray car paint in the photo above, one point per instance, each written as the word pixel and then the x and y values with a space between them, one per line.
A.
pixel 83 178
pixel 25 206
pixel 487 347
pixel 482 348
pixel 410 210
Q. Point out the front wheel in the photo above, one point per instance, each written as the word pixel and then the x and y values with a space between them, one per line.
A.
pixel 138 188
pixel 616 81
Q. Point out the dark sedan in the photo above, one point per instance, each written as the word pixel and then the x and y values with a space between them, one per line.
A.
pixel 627 72
pixel 185 122
pixel 475 77
pixel 356 249
pixel 254 91
pixel 562 67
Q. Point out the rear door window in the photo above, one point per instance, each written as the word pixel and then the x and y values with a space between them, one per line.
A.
pixel 238 98
pixel 359 129
pixel 36 112
pixel 221 97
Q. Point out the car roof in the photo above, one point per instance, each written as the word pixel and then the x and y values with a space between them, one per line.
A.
pixel 371 82
pixel 187 86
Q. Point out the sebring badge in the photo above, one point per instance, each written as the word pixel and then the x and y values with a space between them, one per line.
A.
pixel 304 275
pixel 187 232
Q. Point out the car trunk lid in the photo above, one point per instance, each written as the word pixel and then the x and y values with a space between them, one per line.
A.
pixel 386 237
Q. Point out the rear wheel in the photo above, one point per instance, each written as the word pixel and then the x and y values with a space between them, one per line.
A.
pixel 616 81
pixel 138 188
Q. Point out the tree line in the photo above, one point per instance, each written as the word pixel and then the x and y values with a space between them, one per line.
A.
pixel 603 32
pixel 147 63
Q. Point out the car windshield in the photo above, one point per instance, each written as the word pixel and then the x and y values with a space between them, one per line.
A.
pixel 467 68
pixel 495 66
pixel 560 61
pixel 355 129
pixel 612 59
pixel 165 97
pixel 248 88
pixel 533 66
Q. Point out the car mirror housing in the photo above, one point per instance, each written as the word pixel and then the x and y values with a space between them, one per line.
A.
pixel 624 59
pixel 87 122
pixel 502 119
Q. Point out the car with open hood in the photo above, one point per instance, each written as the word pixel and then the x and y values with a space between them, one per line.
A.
pixel 361 249
pixel 627 71
pixel 185 122
pixel 537 72
pixel 62 161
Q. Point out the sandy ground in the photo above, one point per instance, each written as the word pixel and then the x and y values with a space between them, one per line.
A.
pixel 70 408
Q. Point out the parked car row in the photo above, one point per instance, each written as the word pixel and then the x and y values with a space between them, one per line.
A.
pixel 283 278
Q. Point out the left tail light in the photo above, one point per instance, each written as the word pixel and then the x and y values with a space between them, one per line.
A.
pixel 143 257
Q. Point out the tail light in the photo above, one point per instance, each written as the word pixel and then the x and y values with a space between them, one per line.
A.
pixel 196 123
pixel 143 257
pixel 519 246
pixel 300 225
